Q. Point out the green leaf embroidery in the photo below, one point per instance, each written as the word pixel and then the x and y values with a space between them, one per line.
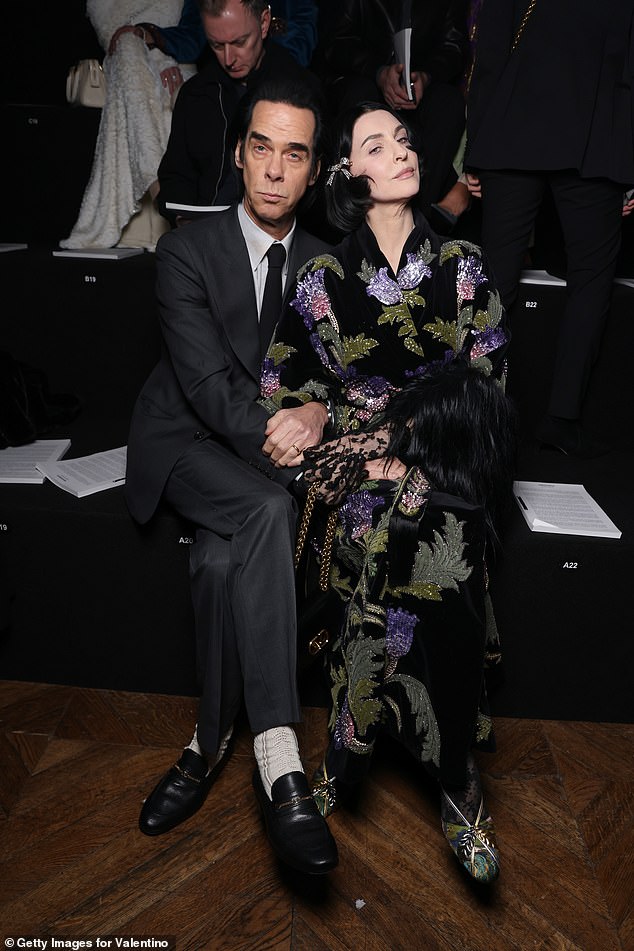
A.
pixel 363 662
pixel 444 330
pixel 355 348
pixel 367 272
pixel 439 566
pixel 322 260
pixel 278 352
pixel 410 344
pixel 426 723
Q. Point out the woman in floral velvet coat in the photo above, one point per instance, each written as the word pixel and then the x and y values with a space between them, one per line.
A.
pixel 391 309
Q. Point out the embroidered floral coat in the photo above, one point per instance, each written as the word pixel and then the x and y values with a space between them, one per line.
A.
pixel 355 332
pixel 408 561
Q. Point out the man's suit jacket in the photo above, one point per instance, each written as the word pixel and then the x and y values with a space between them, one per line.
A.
pixel 207 380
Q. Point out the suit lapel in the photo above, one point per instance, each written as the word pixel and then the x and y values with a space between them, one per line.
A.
pixel 232 287
pixel 234 291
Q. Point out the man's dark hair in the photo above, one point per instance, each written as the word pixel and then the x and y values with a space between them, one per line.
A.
pixel 291 90
pixel 348 200
pixel 457 425
pixel 215 7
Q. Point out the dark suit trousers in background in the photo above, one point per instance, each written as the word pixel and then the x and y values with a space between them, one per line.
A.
pixel 590 214
pixel 243 589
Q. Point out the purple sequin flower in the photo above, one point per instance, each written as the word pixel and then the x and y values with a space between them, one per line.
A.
pixel 312 300
pixel 344 727
pixel 356 513
pixel 399 633
pixel 384 288
pixel 371 393
pixel 412 274
pixel 469 277
pixel 490 339
pixel 319 349
pixel 415 494
pixel 390 291
pixel 270 378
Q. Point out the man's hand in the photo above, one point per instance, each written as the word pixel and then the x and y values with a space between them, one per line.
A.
pixel 389 80
pixel 290 431
pixel 128 28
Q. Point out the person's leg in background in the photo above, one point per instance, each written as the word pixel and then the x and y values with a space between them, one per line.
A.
pixel 510 202
pixel 590 215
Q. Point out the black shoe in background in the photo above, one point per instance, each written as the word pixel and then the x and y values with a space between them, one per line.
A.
pixel 567 436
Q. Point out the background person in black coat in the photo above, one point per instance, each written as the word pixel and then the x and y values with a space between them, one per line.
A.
pixel 551 106
pixel 196 168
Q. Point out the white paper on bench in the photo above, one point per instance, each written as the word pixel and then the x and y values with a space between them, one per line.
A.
pixel 18 463
pixel 88 474
pixel 562 509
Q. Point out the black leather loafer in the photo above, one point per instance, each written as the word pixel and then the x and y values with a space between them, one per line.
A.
pixel 180 794
pixel 298 834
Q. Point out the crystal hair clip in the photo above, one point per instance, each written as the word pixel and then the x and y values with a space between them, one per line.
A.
pixel 341 166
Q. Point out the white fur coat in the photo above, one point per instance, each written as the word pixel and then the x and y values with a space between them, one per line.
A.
pixel 135 121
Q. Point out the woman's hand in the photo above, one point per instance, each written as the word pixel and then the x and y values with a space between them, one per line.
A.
pixel 340 466
pixel 385 468
pixel 172 78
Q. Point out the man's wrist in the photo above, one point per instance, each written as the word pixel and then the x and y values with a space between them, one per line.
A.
pixel 328 406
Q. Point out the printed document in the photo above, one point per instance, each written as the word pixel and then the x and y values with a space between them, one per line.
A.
pixel 88 474
pixel 18 463
pixel 562 509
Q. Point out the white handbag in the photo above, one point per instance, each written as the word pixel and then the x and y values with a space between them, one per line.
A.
pixel 86 84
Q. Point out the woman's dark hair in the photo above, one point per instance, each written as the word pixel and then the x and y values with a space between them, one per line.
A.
pixel 461 429
pixel 348 200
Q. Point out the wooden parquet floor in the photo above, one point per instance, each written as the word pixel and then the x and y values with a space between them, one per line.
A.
pixel 76 765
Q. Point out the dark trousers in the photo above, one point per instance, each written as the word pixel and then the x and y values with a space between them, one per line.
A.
pixel 243 589
pixel 590 214
pixel 437 125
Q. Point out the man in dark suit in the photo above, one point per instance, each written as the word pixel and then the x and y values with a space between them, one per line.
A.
pixel 200 441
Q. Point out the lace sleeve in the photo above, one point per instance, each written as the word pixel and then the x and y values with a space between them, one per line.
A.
pixel 338 467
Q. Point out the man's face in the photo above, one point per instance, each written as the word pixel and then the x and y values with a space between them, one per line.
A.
pixel 276 159
pixel 237 38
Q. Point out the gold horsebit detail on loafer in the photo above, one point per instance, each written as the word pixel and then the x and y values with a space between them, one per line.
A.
pixel 187 775
pixel 295 801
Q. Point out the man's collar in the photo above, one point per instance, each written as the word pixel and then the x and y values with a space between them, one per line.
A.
pixel 259 241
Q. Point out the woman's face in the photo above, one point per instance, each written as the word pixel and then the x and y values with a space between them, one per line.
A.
pixel 382 151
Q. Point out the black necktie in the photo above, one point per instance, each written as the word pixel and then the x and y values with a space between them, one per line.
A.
pixel 272 299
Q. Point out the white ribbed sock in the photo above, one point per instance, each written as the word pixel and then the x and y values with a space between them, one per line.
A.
pixel 277 753
pixel 197 748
